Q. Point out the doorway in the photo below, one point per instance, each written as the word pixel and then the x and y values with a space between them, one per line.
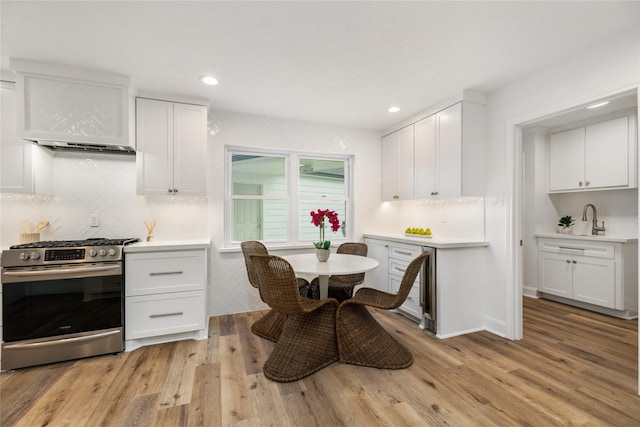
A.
pixel 520 265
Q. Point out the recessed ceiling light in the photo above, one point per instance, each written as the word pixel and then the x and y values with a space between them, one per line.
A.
pixel 393 109
pixel 210 80
pixel 599 104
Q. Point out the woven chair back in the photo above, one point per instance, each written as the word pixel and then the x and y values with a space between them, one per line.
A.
pixel 278 284
pixel 252 247
pixel 408 278
pixel 352 248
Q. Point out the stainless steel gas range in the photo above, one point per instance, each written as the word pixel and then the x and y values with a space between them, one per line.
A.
pixel 62 300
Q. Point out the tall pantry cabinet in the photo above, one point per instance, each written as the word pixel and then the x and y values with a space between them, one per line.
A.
pixel 171 145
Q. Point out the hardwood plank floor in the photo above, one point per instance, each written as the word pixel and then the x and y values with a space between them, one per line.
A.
pixel 573 367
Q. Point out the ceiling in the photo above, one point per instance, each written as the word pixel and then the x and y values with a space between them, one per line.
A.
pixel 336 62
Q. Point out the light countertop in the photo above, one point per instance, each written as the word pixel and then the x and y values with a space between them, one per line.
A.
pixel 434 242
pixel 598 238
pixel 167 245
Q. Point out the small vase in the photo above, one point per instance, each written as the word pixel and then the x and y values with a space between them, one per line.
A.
pixel 565 230
pixel 149 237
pixel 322 254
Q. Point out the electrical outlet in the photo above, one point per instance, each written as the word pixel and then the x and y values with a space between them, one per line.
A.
pixel 94 220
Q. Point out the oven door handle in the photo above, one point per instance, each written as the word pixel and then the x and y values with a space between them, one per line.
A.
pixel 55 342
pixel 71 273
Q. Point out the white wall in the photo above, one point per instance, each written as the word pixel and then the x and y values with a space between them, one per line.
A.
pixel 612 66
pixel 229 289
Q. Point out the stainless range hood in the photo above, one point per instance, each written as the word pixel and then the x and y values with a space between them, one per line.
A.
pixel 85 147
pixel 72 109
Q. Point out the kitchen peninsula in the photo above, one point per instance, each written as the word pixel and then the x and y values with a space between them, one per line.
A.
pixel 457 266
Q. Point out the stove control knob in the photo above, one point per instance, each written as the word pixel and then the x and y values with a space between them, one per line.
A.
pixel 24 256
pixel 112 252
pixel 35 255
pixel 93 252
pixel 102 252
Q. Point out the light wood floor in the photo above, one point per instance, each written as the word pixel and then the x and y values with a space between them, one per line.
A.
pixel 573 367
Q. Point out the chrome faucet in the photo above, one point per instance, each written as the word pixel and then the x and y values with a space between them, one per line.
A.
pixel 594 228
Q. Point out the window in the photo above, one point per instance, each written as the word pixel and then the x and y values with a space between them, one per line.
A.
pixel 270 195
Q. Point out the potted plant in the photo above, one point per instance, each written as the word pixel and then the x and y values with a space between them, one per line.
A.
pixel 565 224
pixel 318 219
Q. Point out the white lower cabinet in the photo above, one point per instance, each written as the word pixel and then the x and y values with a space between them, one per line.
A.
pixel 379 277
pixel 165 296
pixel 599 274
pixel 400 256
pixel 164 314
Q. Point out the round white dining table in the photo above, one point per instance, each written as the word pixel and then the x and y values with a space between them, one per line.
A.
pixel 336 264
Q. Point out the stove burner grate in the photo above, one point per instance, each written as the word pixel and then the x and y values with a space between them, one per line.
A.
pixel 75 243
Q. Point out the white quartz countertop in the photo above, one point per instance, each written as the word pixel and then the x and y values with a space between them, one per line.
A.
pixel 167 245
pixel 434 242
pixel 598 238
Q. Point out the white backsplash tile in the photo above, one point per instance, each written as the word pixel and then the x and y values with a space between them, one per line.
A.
pixel 104 185
pixel 457 217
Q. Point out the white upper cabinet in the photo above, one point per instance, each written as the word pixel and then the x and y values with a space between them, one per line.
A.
pixel 171 140
pixel 71 105
pixel 594 157
pixel 397 165
pixel 425 151
pixel 24 167
pixel 448 155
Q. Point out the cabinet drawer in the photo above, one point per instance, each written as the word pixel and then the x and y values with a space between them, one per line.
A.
pixel 153 315
pixel 397 269
pixel 577 247
pixel 406 252
pixel 162 272
pixel 411 305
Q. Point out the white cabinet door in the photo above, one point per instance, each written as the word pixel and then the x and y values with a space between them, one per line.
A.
pixel 606 154
pixel 398 165
pixel 171 147
pixel 449 151
pixel 597 156
pixel 190 149
pixel 379 277
pixel 24 167
pixel 425 157
pixel 154 146
pixel 389 166
pixel 555 274
pixel 566 160
pixel 594 281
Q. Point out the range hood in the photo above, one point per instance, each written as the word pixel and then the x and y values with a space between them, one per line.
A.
pixel 84 147
pixel 72 109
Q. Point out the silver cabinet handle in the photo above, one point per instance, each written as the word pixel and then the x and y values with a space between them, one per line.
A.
pixel 568 261
pixel 574 261
pixel 570 248
pixel 402 270
pixel 164 273
pixel 177 313
pixel 403 253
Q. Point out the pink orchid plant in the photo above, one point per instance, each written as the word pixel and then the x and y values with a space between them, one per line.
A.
pixel 318 219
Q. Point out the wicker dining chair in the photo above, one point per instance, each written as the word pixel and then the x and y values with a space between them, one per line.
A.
pixel 308 340
pixel 361 339
pixel 341 285
pixel 270 325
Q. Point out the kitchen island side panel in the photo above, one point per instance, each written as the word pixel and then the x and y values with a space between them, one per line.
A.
pixel 460 278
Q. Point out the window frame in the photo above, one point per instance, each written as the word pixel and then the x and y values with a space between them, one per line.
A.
pixel 292 194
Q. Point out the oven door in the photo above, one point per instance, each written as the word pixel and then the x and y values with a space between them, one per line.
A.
pixel 43 302
pixel 76 307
